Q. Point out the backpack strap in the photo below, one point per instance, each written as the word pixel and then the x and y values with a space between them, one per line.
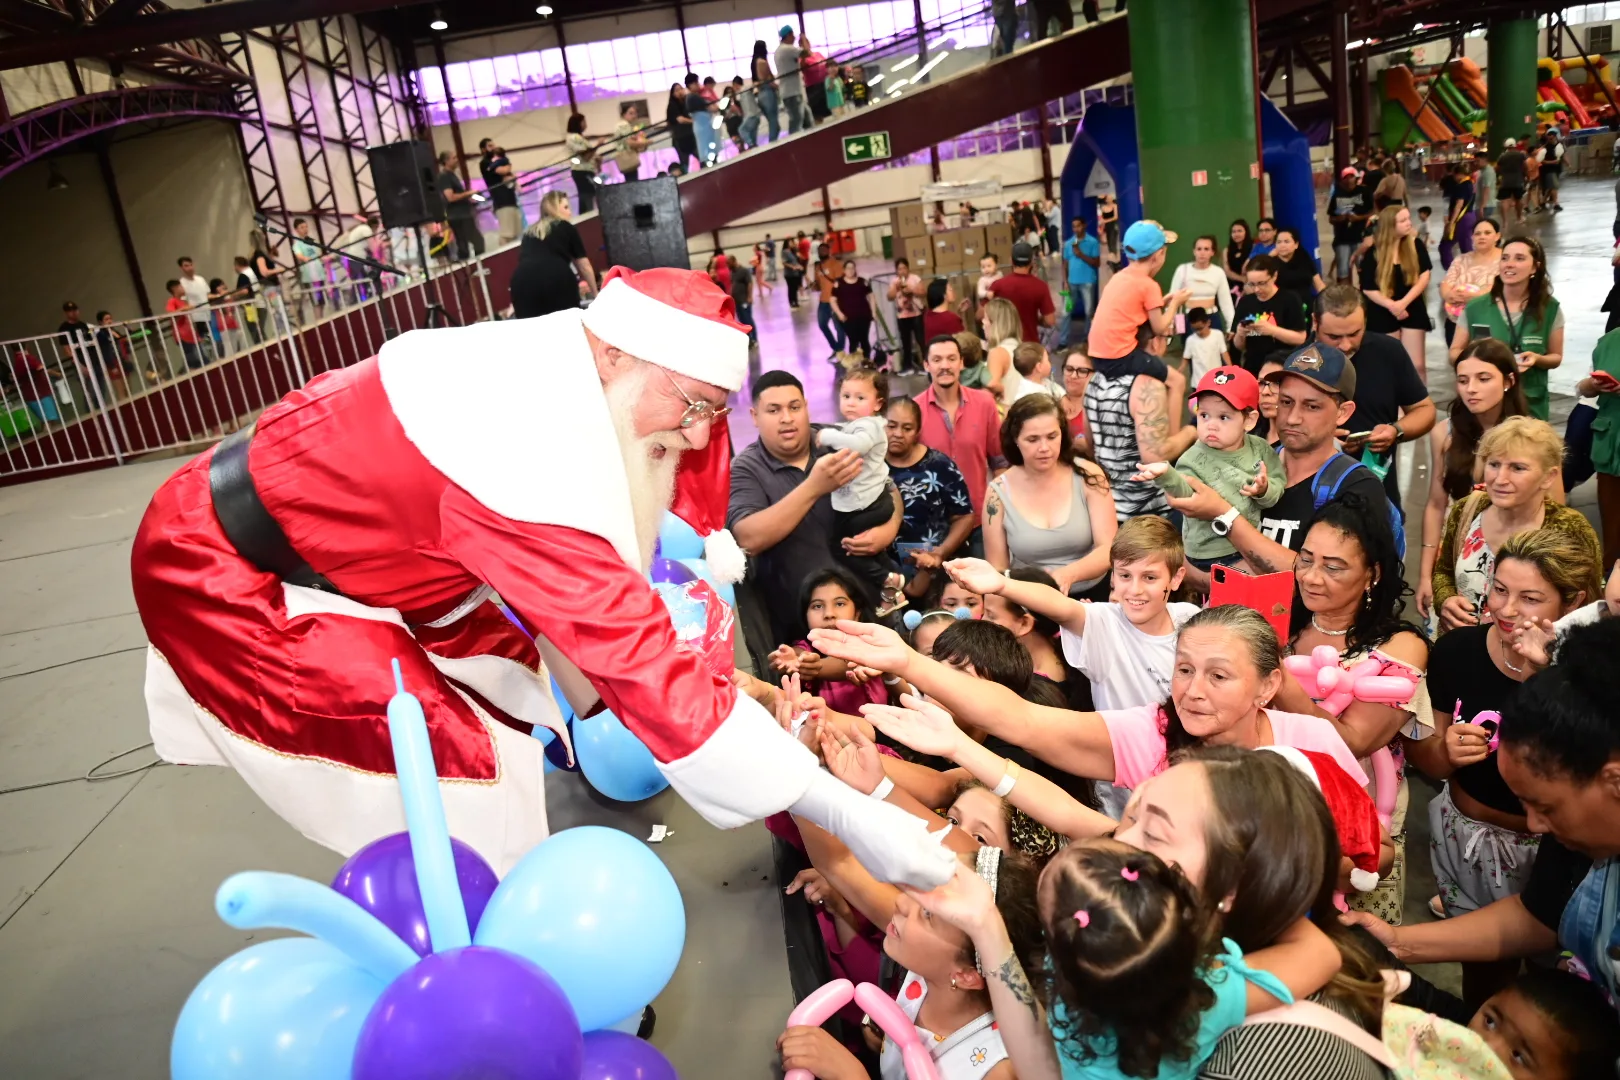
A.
pixel 1310 1014
pixel 1330 478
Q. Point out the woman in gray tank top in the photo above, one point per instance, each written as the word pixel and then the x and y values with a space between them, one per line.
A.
pixel 1050 509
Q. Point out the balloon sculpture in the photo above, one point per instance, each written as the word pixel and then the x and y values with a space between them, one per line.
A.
pixel 1334 688
pixel 821 1003
pixel 419 965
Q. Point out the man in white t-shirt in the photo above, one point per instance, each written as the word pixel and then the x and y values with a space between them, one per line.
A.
pixel 196 290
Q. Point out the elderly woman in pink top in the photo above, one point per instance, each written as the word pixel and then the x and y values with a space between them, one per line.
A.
pixel 1228 667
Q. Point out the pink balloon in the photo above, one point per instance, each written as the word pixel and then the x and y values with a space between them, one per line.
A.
pixel 1385 689
pixel 887 1014
pixel 816 1009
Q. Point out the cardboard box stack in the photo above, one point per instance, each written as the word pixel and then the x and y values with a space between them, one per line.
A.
pixel 909 225
pixel 947 252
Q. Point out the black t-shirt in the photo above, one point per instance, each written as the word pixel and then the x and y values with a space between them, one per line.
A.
pixel 1554 877
pixel 1340 202
pixel 245 285
pixel 501 192
pixel 1379 318
pixel 76 331
pixel 1510 169
pixel 1298 275
pixel 1285 522
pixel 462 209
pixel 1461 196
pixel 1284 308
pixel 1460 669
pixel 1386 383
pixel 1371 179
pixel 859 91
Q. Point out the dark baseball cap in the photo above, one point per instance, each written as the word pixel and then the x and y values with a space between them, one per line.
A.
pixel 1322 366
pixel 1022 254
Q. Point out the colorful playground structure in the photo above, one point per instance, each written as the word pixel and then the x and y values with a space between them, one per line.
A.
pixel 1588 101
pixel 1432 105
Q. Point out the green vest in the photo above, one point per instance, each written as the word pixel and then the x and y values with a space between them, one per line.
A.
pixel 1524 335
pixel 1606 425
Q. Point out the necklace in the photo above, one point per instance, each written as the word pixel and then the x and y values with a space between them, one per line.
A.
pixel 1502 645
pixel 1320 629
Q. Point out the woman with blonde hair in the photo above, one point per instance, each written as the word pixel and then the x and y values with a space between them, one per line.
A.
pixel 1481 845
pixel 1521 459
pixel 552 252
pixel 1003 330
pixel 1394 275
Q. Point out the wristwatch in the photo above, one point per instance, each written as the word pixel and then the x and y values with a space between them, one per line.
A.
pixel 1400 432
pixel 1223 524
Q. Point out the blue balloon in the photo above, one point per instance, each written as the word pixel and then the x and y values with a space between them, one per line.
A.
pixel 668 571
pixel 617 764
pixel 678 540
pixel 290 1007
pixel 599 912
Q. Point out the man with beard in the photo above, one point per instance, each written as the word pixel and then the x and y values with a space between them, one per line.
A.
pixel 368 517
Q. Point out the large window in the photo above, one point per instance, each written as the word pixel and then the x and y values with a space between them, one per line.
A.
pixel 649 63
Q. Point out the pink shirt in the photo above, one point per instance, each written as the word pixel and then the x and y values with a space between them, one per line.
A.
pixel 1139 745
pixel 972 440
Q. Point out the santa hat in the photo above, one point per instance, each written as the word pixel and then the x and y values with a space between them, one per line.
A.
pixel 678 319
pixel 1355 818
pixel 702 493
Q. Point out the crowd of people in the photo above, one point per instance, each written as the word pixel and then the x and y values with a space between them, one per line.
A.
pixel 995 602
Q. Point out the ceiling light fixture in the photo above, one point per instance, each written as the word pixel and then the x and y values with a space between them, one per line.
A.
pixel 438 22
pixel 55 181
pixel 930 66
pixel 544 11
pixel 874 80
pixel 902 65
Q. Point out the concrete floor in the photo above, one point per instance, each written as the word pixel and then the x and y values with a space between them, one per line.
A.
pixel 106 919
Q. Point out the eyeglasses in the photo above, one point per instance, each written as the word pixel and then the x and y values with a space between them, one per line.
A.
pixel 1078 371
pixel 697 412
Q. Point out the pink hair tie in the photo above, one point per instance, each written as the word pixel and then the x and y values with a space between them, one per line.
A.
pixel 1128 874
pixel 1083 917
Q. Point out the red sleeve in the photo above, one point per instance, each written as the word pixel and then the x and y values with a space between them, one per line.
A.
pixel 572 588
pixel 1047 307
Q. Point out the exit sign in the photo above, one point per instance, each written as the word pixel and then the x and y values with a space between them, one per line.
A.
pixel 873 147
pixel 1200 178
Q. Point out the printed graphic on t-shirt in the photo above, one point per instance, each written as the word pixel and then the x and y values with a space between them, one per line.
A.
pixel 1280 530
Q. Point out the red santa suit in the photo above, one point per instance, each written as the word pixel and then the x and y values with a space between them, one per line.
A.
pixel 457 462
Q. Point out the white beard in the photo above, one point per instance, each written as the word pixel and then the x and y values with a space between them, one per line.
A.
pixel 651 479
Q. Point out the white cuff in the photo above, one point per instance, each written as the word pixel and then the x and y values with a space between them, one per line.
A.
pixel 749 768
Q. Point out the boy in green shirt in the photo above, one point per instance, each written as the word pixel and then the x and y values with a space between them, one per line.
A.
pixel 1239 466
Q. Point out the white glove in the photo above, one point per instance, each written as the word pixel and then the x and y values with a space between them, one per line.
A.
pixel 893 845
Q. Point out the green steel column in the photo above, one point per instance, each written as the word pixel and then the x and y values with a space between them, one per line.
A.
pixel 1195 116
pixel 1510 77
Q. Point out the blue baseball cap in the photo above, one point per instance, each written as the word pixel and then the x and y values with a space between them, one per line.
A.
pixel 1322 366
pixel 786 31
pixel 1144 238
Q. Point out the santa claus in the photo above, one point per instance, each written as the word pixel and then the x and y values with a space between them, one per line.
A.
pixel 371 514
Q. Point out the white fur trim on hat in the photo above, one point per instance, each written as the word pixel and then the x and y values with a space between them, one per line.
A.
pixel 657 332
pixel 726 559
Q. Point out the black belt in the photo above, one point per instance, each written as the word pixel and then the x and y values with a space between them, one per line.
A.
pixel 247 524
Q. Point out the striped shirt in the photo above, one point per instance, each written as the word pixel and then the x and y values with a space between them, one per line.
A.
pixel 1113 442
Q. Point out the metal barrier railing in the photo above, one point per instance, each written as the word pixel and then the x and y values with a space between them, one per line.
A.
pixel 177 381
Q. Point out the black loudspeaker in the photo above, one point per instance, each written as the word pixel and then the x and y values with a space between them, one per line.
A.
pixel 642 224
pixel 405 175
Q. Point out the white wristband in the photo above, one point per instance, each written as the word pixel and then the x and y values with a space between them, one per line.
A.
pixel 1008 779
pixel 882 790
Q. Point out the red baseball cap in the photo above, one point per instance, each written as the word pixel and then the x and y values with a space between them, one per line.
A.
pixel 1233 383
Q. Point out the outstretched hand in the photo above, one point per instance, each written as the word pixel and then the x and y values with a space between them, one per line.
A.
pixel 975 575
pixel 868 644
pixel 1257 486
pixel 965 901
pixel 853 758
pixel 919 724
pixel 1149 471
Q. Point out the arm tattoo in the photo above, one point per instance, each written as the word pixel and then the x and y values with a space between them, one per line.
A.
pixel 1150 410
pixel 992 504
pixel 1011 972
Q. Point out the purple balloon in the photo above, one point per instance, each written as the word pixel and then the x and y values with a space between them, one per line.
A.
pixel 613 1055
pixel 472 1011
pixel 381 877
pixel 671 572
